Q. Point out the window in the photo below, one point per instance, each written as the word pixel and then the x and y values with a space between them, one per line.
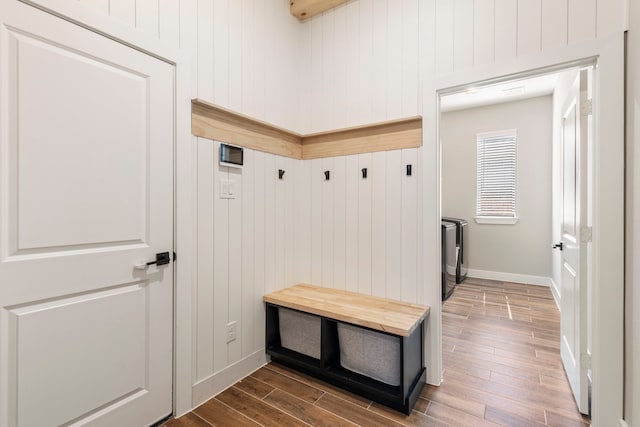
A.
pixel 496 177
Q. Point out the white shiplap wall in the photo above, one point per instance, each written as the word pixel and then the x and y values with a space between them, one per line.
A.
pixel 370 69
pixel 364 231
pixel 245 53
pixel 245 247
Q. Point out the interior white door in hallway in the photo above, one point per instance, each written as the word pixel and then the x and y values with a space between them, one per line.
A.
pixel 86 194
pixel 574 241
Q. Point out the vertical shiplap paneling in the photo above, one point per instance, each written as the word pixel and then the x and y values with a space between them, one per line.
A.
pixel 169 23
pixel 339 104
pixel 189 38
pixel 444 37
pixel 427 41
pixel 316 75
pixel 220 265
pixel 205 50
pixel 236 37
pixel 483 32
pixel 410 55
pixel 393 227
pixel 248 293
pixel 554 23
pixel 582 20
pixel 234 221
pixel 463 34
pixel 329 49
pixel 306 82
pixel 529 26
pixel 364 226
pixel 339 222
pixel 610 16
pixel 221 50
pixel 302 221
pixel 317 182
pixel 270 284
pixel 351 98
pixel 280 189
pixel 259 59
pixel 394 59
pixel 409 226
pixel 147 17
pixel 365 80
pixel 327 252
pixel 379 61
pixel 259 249
pixel 204 273
pixel 124 10
pixel 288 211
pixel 377 175
pixel 352 222
pixel 247 57
pixel 506 29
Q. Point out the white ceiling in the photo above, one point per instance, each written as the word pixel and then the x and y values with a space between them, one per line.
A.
pixel 503 92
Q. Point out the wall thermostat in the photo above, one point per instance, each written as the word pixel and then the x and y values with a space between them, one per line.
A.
pixel 231 156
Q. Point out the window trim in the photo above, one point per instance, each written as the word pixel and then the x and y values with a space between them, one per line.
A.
pixel 496 219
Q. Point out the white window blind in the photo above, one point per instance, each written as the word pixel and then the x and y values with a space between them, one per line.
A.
pixel 496 174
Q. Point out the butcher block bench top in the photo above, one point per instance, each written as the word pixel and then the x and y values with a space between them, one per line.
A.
pixel 394 317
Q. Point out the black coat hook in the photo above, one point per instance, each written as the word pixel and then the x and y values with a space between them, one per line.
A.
pixel 280 173
pixel 408 170
pixel 327 175
pixel 364 173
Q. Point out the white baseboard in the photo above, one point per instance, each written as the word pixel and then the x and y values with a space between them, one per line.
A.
pixel 623 423
pixel 510 277
pixel 207 388
pixel 555 292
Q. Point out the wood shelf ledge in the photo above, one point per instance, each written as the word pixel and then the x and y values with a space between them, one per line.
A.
pixel 214 122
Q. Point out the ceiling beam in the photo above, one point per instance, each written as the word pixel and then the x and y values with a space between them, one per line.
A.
pixel 305 9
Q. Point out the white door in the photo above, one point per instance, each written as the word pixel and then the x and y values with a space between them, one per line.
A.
pixel 86 192
pixel 573 305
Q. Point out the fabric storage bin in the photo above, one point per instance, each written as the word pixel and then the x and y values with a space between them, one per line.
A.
pixel 370 353
pixel 300 332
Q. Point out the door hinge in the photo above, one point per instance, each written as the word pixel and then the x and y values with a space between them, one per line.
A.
pixel 586 107
pixel 586 234
pixel 175 257
pixel 585 360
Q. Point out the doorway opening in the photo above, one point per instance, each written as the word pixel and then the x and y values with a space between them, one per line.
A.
pixel 509 170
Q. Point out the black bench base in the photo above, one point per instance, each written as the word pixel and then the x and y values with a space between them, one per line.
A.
pixel 402 397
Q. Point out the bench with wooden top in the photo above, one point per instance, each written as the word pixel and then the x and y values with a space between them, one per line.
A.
pixel 402 321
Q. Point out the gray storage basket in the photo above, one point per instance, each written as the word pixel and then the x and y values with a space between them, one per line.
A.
pixel 370 353
pixel 300 332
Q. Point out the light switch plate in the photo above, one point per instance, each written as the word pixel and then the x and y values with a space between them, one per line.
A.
pixel 227 189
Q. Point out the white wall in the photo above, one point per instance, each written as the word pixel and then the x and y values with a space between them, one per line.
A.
pixel 246 248
pixel 365 60
pixel 364 232
pixel 522 249
pixel 632 293
pixel 245 53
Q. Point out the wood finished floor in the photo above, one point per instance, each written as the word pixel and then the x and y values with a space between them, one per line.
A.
pixel 501 367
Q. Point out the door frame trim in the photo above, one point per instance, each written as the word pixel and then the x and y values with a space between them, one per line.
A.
pixel 183 197
pixel 608 225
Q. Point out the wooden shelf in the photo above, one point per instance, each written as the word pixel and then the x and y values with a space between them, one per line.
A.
pixel 214 122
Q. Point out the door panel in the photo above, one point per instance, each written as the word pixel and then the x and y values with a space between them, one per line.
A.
pixel 75 148
pixel 573 303
pixel 86 193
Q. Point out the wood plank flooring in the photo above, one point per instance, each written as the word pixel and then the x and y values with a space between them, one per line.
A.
pixel 501 367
